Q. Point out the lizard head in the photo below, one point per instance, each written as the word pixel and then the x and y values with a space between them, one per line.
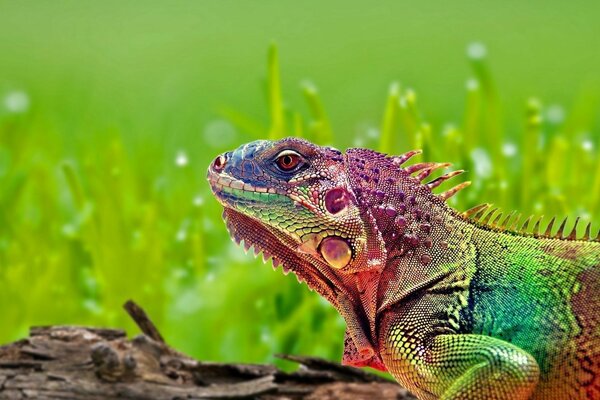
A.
pixel 292 201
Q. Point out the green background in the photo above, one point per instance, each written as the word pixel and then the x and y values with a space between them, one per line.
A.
pixel 111 111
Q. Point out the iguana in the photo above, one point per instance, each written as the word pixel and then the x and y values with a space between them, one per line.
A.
pixel 454 305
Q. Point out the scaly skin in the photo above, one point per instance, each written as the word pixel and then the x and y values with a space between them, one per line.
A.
pixel 454 306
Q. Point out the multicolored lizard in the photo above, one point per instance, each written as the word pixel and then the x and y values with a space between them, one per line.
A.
pixel 454 305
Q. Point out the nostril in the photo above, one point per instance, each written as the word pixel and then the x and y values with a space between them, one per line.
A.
pixel 219 163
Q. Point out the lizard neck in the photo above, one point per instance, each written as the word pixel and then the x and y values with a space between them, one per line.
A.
pixel 445 254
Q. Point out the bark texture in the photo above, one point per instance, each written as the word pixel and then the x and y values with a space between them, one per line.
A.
pixel 67 362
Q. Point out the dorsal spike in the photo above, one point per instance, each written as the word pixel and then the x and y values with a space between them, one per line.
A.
pixel 494 222
pixel 504 224
pixel 536 226
pixel 419 166
pixel 526 224
pixel 597 237
pixel 474 210
pixel 485 220
pixel 451 192
pixel 513 226
pixel 560 232
pixel 477 216
pixel 548 232
pixel 399 160
pixel 425 173
pixel 438 181
pixel 588 232
pixel 573 234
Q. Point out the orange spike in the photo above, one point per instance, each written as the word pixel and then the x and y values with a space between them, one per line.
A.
pixel 485 220
pixel 477 216
pixel 419 166
pixel 476 209
pixel 425 173
pixel 494 222
pixel 588 230
pixel 548 232
pixel 513 227
pixel 504 224
pixel 399 160
pixel 536 226
pixel 438 181
pixel 573 234
pixel 451 192
pixel 560 231
pixel 526 223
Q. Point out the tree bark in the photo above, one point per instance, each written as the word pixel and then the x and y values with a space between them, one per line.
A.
pixel 69 362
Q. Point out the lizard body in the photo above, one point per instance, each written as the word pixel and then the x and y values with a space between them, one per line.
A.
pixel 454 305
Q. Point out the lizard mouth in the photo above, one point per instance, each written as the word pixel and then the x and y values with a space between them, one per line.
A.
pixel 229 190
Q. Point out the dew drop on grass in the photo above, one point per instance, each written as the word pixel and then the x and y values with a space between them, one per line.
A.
pixel 181 159
pixel 555 114
pixel 587 145
pixel 472 84
pixel 69 230
pixel 181 235
pixel 198 201
pixel 482 162
pixel 476 51
pixel 16 102
pixel 266 337
pixel 509 149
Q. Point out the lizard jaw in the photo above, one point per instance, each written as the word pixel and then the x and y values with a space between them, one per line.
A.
pixel 270 244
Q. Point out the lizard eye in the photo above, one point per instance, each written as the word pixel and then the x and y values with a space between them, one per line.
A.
pixel 288 160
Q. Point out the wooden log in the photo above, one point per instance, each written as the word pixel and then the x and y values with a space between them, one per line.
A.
pixel 69 362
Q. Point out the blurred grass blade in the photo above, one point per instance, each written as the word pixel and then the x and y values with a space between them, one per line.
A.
pixel 74 186
pixel 472 117
pixel 530 144
pixel 277 130
pixel 390 120
pixel 243 122
pixel 477 53
pixel 298 125
pixel 321 125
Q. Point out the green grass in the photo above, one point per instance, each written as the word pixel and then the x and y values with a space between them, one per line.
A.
pixel 102 189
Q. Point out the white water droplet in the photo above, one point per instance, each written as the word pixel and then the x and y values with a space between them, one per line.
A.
pixel 482 162
pixel 198 201
pixel 16 102
pixel 587 145
pixel 181 159
pixel 476 51
pixel 472 84
pixel 555 114
pixel 509 149
pixel 181 235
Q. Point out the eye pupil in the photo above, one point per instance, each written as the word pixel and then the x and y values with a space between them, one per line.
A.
pixel 288 162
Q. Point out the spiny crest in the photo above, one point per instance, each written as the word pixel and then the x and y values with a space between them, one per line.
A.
pixel 492 217
pixel 425 169
pixel 485 214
